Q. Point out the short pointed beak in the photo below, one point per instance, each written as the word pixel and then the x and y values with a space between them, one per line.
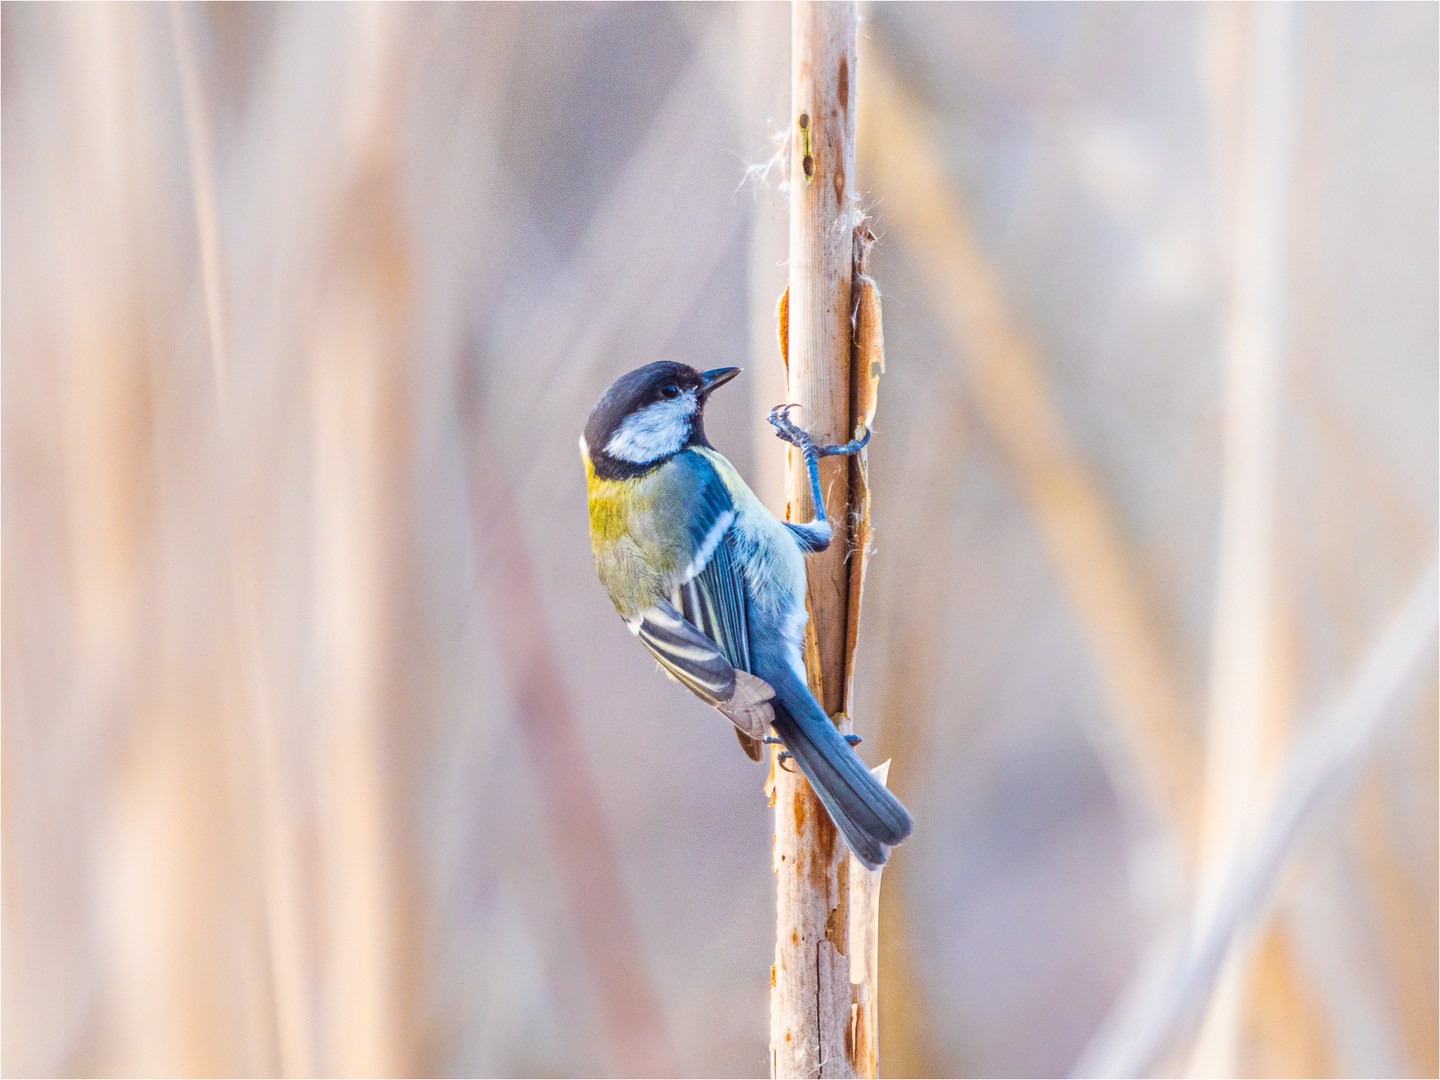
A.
pixel 715 378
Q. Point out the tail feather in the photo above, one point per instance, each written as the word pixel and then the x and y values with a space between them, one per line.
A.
pixel 867 813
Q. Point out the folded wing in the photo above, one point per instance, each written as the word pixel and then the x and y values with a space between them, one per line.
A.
pixel 698 663
pixel 714 601
pixel 702 637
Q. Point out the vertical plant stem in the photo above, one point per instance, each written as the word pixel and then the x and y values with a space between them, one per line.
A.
pixel 290 976
pixel 359 412
pixel 1237 782
pixel 811 1000
pixel 822 165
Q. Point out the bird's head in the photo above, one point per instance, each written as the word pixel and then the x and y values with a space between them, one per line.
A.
pixel 649 414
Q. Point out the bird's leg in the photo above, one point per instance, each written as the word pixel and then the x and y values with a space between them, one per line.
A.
pixel 784 429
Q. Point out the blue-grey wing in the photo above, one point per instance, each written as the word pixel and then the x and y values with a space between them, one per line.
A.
pixel 696 662
pixel 715 602
pixel 691 657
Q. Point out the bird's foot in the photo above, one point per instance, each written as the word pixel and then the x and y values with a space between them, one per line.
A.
pixel 782 757
pixel 785 755
pixel 784 429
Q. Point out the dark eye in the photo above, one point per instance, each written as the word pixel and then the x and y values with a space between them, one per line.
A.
pixel 669 390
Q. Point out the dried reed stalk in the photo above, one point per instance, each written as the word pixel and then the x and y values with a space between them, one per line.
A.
pixel 1246 716
pixel 823 1005
pixel 122 746
pixel 358 400
pixel 862 1044
pixel 291 977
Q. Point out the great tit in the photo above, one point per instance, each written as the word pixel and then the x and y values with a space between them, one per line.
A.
pixel 713 584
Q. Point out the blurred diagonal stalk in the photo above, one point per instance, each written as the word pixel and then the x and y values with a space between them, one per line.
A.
pixel 605 924
pixel 1086 546
pixel 1321 771
pixel 914 630
pixel 202 185
pixel 1084 543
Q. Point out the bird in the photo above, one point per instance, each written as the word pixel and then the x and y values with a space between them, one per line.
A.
pixel 713 584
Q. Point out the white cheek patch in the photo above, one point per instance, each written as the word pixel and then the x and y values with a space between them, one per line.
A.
pixel 654 431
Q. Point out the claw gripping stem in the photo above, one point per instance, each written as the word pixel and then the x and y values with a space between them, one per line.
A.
pixel 784 429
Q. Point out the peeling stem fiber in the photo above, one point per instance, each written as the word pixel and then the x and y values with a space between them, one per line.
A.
pixel 813 1004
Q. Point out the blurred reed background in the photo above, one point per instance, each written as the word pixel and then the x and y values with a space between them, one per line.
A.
pixel 324 752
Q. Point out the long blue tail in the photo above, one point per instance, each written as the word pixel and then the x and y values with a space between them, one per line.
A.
pixel 868 815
